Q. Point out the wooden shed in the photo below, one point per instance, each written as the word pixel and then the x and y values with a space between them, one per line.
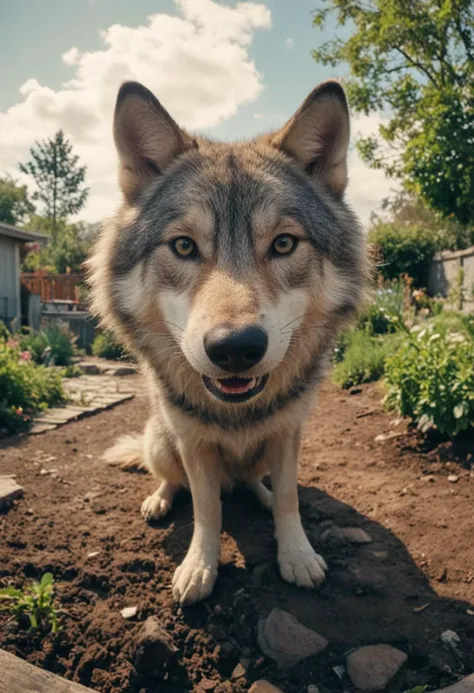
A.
pixel 10 292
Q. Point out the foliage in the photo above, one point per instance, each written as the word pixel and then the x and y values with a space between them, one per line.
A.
pixel 451 321
pixel 15 206
pixel 415 62
pixel 68 254
pixel 72 371
pixel 106 346
pixel 405 209
pixel 403 250
pixel 363 358
pixel 59 180
pixel 35 603
pixel 54 345
pixel 431 380
pixel 387 301
pixel 24 387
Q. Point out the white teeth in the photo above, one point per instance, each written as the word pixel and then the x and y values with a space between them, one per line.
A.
pixel 252 384
pixel 218 384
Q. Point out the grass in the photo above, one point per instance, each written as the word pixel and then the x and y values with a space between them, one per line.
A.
pixel 363 358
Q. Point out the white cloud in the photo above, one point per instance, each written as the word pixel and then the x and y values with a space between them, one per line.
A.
pixel 197 63
pixel 289 43
pixel 367 187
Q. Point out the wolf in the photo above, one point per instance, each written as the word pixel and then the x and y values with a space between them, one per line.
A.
pixel 228 271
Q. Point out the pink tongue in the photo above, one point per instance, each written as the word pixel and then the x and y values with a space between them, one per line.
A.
pixel 235 385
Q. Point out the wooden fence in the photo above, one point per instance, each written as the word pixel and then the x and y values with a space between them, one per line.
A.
pixel 52 287
pixel 446 271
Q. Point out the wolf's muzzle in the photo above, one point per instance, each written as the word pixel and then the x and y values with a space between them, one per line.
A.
pixel 236 350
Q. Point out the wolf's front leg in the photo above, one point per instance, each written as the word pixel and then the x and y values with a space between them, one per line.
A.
pixel 195 577
pixel 299 563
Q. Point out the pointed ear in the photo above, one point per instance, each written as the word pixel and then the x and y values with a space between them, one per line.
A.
pixel 146 137
pixel 317 136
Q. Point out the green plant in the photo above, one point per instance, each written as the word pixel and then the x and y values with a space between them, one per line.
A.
pixel 363 358
pixel 72 371
pixel 451 321
pixel 417 689
pixel 403 250
pixel 106 346
pixel 431 380
pixel 54 345
pixel 35 603
pixel 24 388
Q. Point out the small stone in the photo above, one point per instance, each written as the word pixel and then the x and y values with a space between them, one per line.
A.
pixel 153 648
pixel 312 688
pixel 124 370
pixel 283 638
pixel 129 612
pixel 355 390
pixel 372 668
pixel 262 686
pixel 208 684
pixel 44 472
pixel 451 640
pixel 238 672
pixel 382 437
pixel 93 554
pixel 356 535
pixel 89 368
pixel 9 491
pixel 453 478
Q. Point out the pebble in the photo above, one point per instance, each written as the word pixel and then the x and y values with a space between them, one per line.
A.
pixel 283 638
pixel 372 668
pixel 262 686
pixel 129 612
pixel 238 672
pixel 453 478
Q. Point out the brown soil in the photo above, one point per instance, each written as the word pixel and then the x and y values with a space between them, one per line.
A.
pixel 422 555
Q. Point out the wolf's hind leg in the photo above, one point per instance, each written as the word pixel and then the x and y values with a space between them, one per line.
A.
pixel 261 493
pixel 162 459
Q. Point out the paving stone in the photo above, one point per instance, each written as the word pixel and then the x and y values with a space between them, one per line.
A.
pixel 9 491
pixel 262 686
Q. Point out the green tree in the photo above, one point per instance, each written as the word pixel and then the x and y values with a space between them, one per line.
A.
pixel 59 180
pixel 15 206
pixel 414 61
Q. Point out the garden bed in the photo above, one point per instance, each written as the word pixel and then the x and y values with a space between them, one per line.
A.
pixel 414 581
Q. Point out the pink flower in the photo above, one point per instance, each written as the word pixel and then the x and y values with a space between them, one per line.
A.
pixel 19 411
pixel 13 343
pixel 25 356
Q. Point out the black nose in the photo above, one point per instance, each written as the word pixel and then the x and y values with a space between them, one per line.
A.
pixel 236 350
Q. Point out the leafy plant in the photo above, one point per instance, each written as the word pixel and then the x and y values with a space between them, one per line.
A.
pixel 431 380
pixel 72 371
pixel 24 388
pixel 35 603
pixel 52 346
pixel 106 346
pixel 363 358
pixel 403 250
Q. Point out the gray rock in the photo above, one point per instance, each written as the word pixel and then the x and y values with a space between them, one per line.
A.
pixel 89 368
pixel 9 491
pixel 283 638
pixel 153 647
pixel 372 668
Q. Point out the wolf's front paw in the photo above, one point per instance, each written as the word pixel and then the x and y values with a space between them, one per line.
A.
pixel 300 564
pixel 194 579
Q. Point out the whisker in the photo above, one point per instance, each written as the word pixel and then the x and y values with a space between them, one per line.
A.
pixel 311 312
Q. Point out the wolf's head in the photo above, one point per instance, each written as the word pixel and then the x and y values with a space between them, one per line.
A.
pixel 230 266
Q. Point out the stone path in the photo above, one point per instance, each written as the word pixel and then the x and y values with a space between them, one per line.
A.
pixel 87 395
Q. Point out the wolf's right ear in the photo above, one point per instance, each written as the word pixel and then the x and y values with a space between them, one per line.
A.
pixel 147 138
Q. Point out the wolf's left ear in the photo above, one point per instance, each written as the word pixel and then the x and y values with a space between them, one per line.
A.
pixel 317 136
pixel 147 138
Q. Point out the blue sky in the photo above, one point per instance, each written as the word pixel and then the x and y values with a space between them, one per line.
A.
pixel 230 75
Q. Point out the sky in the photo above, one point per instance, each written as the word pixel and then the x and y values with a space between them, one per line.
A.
pixel 223 68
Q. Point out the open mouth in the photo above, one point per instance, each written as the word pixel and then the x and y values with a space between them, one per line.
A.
pixel 235 388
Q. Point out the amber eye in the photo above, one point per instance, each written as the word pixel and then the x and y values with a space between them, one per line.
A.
pixel 184 247
pixel 284 244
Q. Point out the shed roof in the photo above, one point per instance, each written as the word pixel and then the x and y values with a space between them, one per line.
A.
pixel 20 234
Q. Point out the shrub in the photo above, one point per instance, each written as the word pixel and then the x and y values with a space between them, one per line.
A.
pixel 106 346
pixel 388 301
pixel 363 358
pixel 24 388
pixel 54 345
pixel 403 250
pixel 431 380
